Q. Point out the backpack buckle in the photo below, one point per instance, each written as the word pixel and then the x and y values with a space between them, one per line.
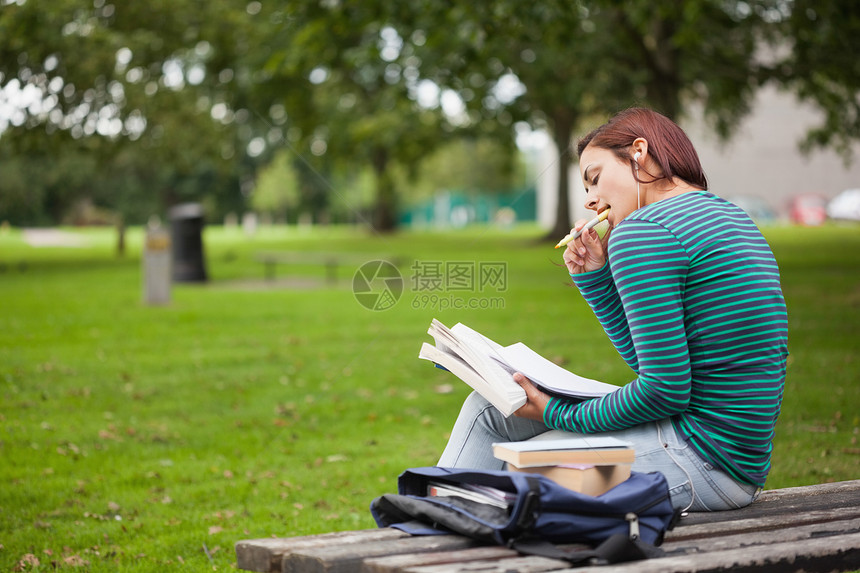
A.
pixel 633 520
pixel 528 515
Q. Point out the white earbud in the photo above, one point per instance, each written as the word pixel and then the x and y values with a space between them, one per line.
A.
pixel 636 156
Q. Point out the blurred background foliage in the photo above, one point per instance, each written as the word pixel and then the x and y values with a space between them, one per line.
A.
pixel 343 111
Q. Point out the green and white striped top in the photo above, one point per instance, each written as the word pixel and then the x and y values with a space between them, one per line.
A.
pixel 691 299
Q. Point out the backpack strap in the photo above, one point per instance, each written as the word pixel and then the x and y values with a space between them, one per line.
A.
pixel 617 548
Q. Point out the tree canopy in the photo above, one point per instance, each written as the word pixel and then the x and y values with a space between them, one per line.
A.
pixel 134 89
pixel 138 105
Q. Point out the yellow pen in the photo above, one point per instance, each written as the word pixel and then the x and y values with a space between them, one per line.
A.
pixel 601 217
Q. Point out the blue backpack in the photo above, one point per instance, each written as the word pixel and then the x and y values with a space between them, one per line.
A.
pixel 623 524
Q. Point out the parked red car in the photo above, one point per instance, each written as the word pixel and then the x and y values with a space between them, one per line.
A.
pixel 809 209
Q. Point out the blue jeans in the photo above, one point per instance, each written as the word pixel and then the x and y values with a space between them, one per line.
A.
pixel 694 484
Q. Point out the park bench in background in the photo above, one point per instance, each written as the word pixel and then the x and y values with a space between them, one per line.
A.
pixel 330 261
pixel 811 528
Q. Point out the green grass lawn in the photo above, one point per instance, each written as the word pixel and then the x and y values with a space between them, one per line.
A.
pixel 138 438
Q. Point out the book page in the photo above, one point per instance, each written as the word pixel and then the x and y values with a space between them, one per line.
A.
pixel 464 331
pixel 550 375
pixel 476 493
pixel 506 402
pixel 478 353
pixel 467 354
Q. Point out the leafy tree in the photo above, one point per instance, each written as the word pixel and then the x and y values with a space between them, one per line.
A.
pixel 277 189
pixel 134 87
pixel 353 194
pixel 588 59
pixel 814 55
pixel 166 101
pixel 471 164
pixel 346 80
pixel 678 53
pixel 39 189
pixel 549 48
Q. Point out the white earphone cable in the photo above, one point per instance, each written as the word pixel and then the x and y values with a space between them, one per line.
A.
pixel 638 196
pixel 686 473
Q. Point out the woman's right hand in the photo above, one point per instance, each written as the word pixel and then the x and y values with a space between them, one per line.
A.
pixel 587 253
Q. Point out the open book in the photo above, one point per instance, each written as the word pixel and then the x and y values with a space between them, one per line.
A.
pixel 488 368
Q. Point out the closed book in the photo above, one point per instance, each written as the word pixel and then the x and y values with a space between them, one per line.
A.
pixel 592 450
pixel 587 479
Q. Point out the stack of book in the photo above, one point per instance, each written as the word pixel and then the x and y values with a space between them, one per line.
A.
pixel 477 493
pixel 591 465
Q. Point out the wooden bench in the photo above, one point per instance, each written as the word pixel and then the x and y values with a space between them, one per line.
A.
pixel 330 261
pixel 811 528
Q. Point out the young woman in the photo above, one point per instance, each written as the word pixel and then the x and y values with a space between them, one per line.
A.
pixel 688 292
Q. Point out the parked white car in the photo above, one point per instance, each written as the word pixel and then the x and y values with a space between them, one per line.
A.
pixel 846 205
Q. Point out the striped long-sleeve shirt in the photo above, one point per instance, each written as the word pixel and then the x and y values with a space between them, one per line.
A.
pixel 691 299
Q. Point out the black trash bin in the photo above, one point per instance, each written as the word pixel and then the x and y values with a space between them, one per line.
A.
pixel 186 231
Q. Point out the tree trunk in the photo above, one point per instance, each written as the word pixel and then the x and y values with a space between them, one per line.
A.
pixel 385 211
pixel 562 132
pixel 660 55
pixel 120 236
pixel 665 88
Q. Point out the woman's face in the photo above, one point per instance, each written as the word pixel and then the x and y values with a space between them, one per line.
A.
pixel 609 183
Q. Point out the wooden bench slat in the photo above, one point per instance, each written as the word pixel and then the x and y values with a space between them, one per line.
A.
pixel 393 563
pixel 348 559
pixel 517 564
pixel 706 530
pixel 761 538
pixel 792 500
pixel 266 554
pixel 330 261
pixel 816 555
pixel 759 542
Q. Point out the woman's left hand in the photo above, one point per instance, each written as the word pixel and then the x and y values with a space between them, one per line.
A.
pixel 536 400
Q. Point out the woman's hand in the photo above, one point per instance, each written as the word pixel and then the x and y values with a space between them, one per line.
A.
pixel 587 253
pixel 536 400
